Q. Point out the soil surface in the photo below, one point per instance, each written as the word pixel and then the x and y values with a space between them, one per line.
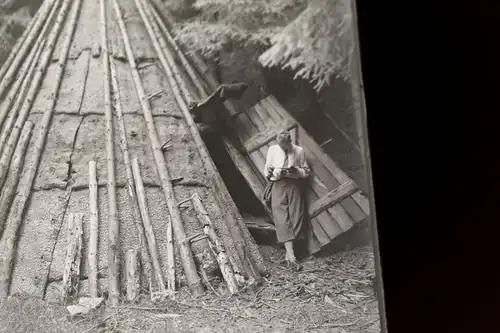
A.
pixel 334 293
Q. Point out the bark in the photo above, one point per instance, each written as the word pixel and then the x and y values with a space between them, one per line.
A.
pixel 167 186
pixel 132 268
pixel 141 196
pixel 71 272
pixel 94 229
pixel 132 195
pixel 113 228
pixel 8 241
pixel 9 189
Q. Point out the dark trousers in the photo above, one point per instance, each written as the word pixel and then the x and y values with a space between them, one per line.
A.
pixel 288 207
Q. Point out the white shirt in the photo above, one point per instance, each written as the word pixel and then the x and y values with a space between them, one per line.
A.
pixel 276 158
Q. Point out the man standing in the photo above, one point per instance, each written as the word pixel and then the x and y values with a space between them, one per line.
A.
pixel 286 167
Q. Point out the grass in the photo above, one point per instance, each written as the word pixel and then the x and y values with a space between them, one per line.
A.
pixel 331 294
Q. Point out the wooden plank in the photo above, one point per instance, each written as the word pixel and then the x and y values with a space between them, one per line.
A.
pixel 332 198
pixel 71 273
pixel 260 126
pixel 268 135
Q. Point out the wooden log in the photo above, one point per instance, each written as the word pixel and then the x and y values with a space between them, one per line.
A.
pixel 26 68
pixel 132 268
pixel 9 190
pixel 132 195
pixel 215 244
pixel 113 228
pixel 175 214
pixel 8 241
pixel 94 229
pixel 18 95
pixel 28 31
pixel 170 259
pixel 33 91
pixel 71 272
pixel 141 196
pixel 20 56
pixel 227 206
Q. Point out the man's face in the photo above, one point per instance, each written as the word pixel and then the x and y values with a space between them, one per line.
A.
pixel 285 144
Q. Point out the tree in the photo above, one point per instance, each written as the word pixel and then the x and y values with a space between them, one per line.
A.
pixel 311 37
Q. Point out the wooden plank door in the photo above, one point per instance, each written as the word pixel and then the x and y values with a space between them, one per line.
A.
pixel 334 202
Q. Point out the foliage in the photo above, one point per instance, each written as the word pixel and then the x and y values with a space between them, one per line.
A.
pixel 316 45
pixel 218 23
pixel 311 37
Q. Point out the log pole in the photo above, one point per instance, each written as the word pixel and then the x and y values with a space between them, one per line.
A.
pixel 185 252
pixel 94 229
pixel 143 205
pixel 220 192
pixel 132 195
pixel 35 87
pixel 215 244
pixel 113 228
pixel 8 241
pixel 132 268
pixel 71 272
pixel 20 55
pixel 9 189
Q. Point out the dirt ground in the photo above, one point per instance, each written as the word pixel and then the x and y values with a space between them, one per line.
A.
pixel 333 293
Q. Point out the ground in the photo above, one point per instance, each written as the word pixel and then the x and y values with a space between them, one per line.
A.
pixel 333 293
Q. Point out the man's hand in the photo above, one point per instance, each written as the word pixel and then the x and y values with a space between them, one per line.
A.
pixel 270 171
pixel 294 172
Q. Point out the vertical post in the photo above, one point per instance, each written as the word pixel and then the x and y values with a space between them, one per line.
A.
pixel 71 272
pixel 94 229
pixel 132 268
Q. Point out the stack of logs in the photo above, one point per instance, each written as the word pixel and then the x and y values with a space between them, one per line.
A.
pixel 71 273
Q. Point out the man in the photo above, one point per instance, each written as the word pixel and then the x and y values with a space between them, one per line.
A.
pixel 286 167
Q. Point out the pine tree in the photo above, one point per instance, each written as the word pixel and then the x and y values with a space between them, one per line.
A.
pixel 311 37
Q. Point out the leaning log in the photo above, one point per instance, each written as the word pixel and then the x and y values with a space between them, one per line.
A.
pixel 132 269
pixel 113 229
pixel 13 111
pixel 215 244
pixel 8 241
pixel 248 255
pixel 9 189
pixel 34 88
pixel 143 205
pixel 20 42
pixel 71 272
pixel 184 250
pixel 94 229
pixel 20 56
pixel 19 94
pixel 132 195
